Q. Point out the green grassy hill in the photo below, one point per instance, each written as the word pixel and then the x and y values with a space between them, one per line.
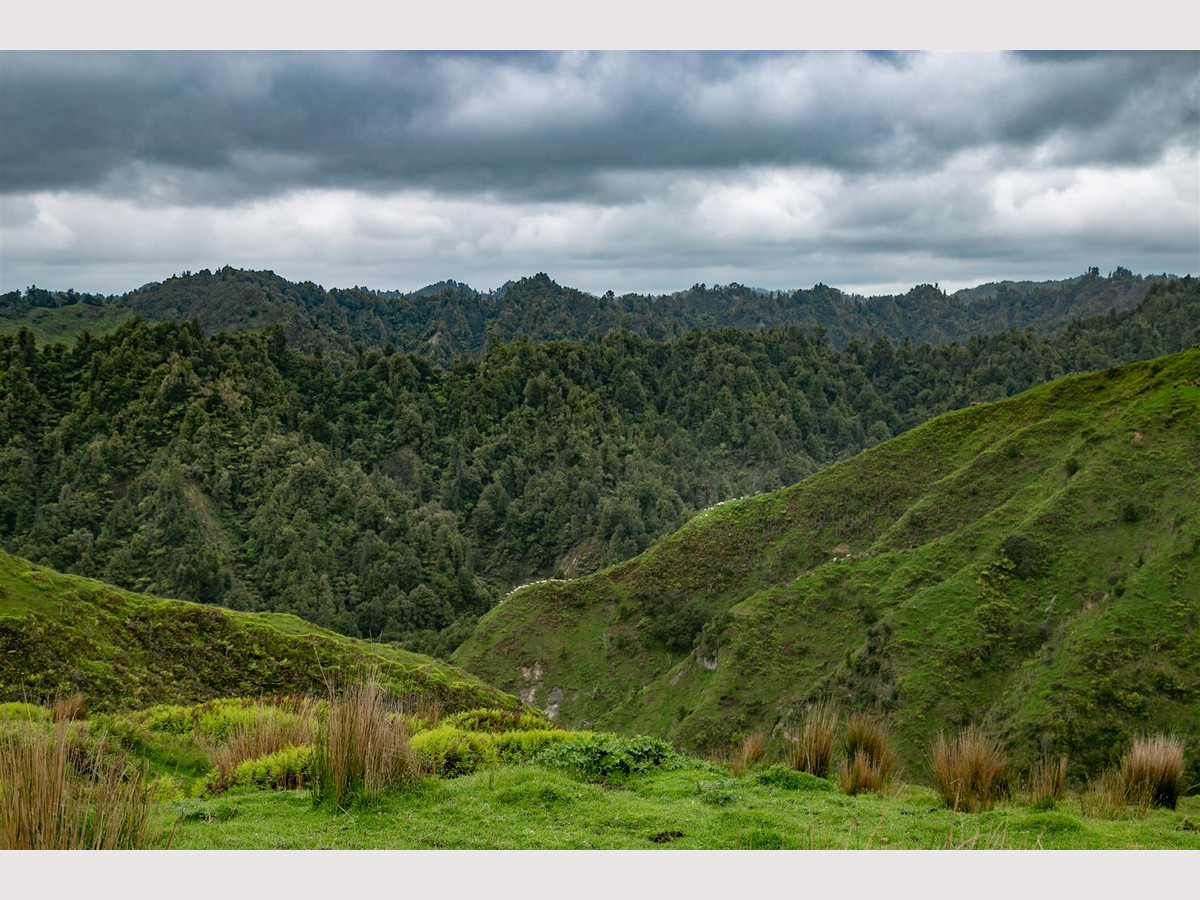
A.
pixel 61 635
pixel 63 324
pixel 1033 564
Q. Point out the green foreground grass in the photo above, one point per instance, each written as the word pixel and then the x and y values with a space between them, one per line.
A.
pixel 497 779
pixel 528 807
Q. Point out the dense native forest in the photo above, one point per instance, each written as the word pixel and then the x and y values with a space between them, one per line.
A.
pixel 447 320
pixel 375 492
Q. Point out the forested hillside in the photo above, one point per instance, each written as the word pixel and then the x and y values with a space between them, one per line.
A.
pixel 393 499
pixel 1031 565
pixel 448 320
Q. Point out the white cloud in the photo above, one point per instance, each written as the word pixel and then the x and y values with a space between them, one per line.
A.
pixel 776 227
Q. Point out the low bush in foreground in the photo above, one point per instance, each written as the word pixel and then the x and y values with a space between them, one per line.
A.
pixel 606 757
pixel 23 712
pixel 273 730
pixel 970 772
pixel 449 752
pixel 788 779
pixel 283 770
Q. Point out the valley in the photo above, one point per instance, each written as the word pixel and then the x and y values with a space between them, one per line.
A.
pixel 937 538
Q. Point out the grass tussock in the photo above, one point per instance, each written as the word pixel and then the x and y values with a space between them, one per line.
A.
pixel 278 727
pixel 1104 797
pixel 970 772
pixel 869 758
pixel 1152 771
pixel 69 709
pixel 812 751
pixel 362 748
pixel 56 794
pixel 751 750
pixel 863 773
pixel 1047 782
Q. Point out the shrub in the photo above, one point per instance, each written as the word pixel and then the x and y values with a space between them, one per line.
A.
pixel 812 752
pixel 23 712
pixel 1131 513
pixel 522 746
pixel 970 771
pixel 167 789
pixel 1152 771
pixel 270 731
pixel 606 757
pixel 214 719
pixel 496 721
pixel 1047 782
pixel 284 770
pixel 362 748
pixel 678 627
pixel 58 795
pixel 790 780
pixel 450 752
pixel 1024 553
pixel 750 751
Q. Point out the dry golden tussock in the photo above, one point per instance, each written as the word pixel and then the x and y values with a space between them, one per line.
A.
pixel 970 772
pixel 812 751
pixel 362 748
pixel 57 795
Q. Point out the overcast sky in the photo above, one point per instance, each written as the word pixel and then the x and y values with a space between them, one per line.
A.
pixel 626 171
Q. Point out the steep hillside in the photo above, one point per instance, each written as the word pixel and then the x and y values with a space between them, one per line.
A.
pixel 399 500
pixel 61 634
pixel 1032 563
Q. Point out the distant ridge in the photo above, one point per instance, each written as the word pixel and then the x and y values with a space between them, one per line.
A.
pixel 448 319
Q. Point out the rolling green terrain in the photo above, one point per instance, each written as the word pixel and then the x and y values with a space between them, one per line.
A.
pixel 492 780
pixel 63 324
pixel 1033 564
pixel 61 635
pixel 389 498
pixel 691 808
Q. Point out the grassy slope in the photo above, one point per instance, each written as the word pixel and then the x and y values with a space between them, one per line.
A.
pixel 922 616
pixel 60 634
pixel 65 323
pixel 532 808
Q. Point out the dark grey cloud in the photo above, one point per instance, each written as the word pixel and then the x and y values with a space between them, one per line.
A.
pixel 218 128
pixel 631 171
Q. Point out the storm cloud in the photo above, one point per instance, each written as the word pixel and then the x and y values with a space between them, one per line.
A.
pixel 631 171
